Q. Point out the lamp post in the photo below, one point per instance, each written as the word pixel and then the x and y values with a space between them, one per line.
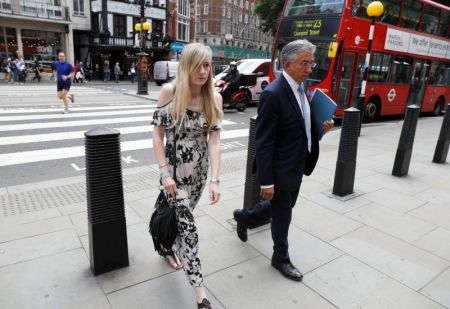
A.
pixel 142 68
pixel 374 10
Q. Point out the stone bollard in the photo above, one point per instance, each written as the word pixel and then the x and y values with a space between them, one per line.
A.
pixel 344 177
pixel 441 151
pixel 405 144
pixel 108 248
pixel 252 189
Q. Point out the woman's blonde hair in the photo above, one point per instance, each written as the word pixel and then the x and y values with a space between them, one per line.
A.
pixel 194 54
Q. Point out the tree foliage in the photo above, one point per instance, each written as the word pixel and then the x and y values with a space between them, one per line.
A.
pixel 269 12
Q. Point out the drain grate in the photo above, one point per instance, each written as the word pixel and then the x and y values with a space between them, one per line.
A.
pixel 59 196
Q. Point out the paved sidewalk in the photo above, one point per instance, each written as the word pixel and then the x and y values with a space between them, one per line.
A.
pixel 386 248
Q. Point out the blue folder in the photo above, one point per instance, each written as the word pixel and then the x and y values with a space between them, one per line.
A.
pixel 322 108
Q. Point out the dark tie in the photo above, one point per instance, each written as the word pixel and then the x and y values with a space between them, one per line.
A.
pixel 306 114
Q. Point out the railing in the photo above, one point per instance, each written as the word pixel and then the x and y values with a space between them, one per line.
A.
pixel 34 9
pixel 97 39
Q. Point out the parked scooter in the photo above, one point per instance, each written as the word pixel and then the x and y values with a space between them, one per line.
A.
pixel 241 98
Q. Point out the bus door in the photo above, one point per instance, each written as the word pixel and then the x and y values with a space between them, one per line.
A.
pixel 418 82
pixel 349 87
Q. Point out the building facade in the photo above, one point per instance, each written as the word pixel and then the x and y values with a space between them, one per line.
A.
pixel 112 37
pixel 231 29
pixel 39 29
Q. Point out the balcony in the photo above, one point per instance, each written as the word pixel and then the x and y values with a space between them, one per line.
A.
pixel 117 41
pixel 35 9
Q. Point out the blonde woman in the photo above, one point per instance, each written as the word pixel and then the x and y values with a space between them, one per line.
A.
pixel 191 105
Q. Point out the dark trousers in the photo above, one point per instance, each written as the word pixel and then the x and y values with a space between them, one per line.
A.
pixel 282 204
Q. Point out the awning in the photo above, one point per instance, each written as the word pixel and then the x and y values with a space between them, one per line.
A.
pixel 177 46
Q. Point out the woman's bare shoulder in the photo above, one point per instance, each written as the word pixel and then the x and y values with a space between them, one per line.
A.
pixel 218 99
pixel 165 95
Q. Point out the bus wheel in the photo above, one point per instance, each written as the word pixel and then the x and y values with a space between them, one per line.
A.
pixel 438 107
pixel 372 110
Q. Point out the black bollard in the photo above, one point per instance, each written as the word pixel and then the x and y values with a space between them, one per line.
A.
pixel 252 189
pixel 441 151
pixel 405 144
pixel 344 177
pixel 106 212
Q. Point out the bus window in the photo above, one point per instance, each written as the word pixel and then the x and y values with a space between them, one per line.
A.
pixel 401 70
pixel 297 7
pixel 390 13
pixel 443 24
pixel 379 68
pixel 445 73
pixel 411 14
pixel 430 19
pixel 434 78
pixel 323 63
pixel 360 8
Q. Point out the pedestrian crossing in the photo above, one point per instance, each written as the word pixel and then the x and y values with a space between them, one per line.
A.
pixel 31 90
pixel 41 135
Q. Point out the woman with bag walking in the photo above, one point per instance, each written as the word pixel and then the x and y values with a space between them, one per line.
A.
pixel 191 106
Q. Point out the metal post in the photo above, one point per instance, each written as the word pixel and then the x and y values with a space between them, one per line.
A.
pixel 441 151
pixel 105 202
pixel 142 69
pixel 252 190
pixel 344 177
pixel 405 144
pixel 362 95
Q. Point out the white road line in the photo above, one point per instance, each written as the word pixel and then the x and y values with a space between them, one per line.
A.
pixel 23 157
pixel 75 109
pixel 50 137
pixel 74 115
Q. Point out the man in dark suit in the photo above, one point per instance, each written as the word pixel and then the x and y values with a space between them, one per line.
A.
pixel 287 147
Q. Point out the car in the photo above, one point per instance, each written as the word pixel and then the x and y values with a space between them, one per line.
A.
pixel 164 71
pixel 259 67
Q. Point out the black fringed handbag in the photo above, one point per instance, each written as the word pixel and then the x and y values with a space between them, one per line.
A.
pixel 163 223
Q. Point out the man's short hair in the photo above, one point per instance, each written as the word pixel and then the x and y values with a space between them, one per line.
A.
pixel 290 50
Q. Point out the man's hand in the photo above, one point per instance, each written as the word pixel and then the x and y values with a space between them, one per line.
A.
pixel 64 77
pixel 267 193
pixel 327 125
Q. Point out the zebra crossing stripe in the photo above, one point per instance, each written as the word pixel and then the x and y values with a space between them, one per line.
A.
pixel 8 159
pixel 74 115
pixel 75 109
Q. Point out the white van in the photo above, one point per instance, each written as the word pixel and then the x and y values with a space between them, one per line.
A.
pixel 252 66
pixel 164 71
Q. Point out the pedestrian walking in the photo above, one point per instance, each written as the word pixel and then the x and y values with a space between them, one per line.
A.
pixel 287 147
pixel 191 106
pixel 117 72
pixel 106 71
pixel 63 72
pixel 37 72
pixel 21 71
pixel 133 73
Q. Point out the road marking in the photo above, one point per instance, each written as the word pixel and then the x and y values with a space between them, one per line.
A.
pixel 76 109
pixel 14 158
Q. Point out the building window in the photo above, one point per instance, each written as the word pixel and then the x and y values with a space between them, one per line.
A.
pixel 206 9
pixel 120 25
pixel 229 12
pixel 246 5
pixel 224 11
pixel 78 7
pixel 205 26
pixel 246 18
pixel 183 7
pixel 240 17
pixel 41 45
pixel 183 29
pixel 8 35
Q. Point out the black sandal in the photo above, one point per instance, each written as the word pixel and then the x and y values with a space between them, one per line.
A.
pixel 204 304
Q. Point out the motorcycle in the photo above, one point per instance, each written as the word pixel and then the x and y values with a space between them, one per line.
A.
pixel 241 98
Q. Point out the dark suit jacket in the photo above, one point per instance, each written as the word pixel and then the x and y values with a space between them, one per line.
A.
pixel 282 155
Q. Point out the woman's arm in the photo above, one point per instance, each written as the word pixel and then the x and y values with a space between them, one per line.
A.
pixel 159 149
pixel 214 158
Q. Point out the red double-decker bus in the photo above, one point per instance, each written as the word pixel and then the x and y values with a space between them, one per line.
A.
pixel 410 56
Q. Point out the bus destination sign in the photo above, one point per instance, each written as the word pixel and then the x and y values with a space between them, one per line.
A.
pixel 315 27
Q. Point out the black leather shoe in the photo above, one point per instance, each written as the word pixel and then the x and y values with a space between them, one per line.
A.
pixel 204 304
pixel 288 270
pixel 241 225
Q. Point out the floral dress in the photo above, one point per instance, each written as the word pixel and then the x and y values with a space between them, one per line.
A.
pixel 192 171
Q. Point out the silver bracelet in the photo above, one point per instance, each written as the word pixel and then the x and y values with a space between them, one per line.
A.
pixel 215 180
pixel 165 175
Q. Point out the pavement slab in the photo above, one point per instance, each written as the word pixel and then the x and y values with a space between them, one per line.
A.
pixel 395 200
pixel 349 283
pixel 437 214
pixel 435 241
pixel 403 226
pixel 255 284
pixel 61 280
pixel 306 252
pixel 397 259
pixel 439 289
